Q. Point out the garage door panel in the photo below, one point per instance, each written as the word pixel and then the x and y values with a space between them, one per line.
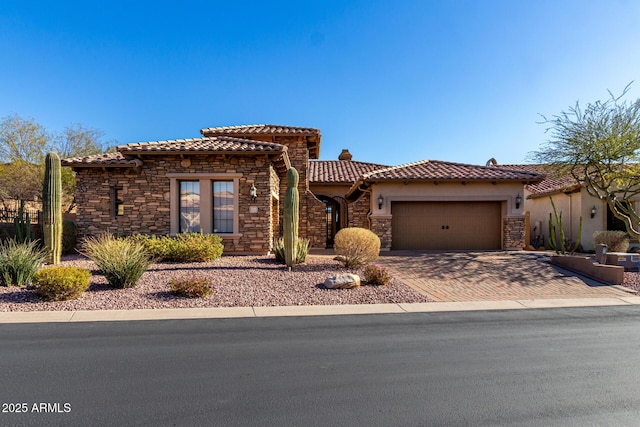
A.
pixel 446 225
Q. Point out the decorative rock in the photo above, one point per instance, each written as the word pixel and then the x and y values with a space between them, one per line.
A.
pixel 342 281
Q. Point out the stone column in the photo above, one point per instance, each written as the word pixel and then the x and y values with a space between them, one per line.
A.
pixel 381 225
pixel 513 232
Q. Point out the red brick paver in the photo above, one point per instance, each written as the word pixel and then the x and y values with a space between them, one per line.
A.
pixel 491 276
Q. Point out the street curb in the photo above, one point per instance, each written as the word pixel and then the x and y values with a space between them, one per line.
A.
pixel 309 310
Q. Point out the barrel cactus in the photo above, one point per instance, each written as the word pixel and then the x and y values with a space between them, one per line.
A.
pixel 291 215
pixel 52 208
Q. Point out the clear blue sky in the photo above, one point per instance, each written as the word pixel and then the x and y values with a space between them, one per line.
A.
pixel 393 81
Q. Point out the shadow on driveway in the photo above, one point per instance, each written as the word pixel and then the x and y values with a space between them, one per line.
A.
pixel 491 275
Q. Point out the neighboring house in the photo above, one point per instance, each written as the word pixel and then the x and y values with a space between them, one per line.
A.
pixel 206 184
pixel 570 198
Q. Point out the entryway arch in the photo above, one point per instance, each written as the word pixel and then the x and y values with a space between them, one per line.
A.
pixel 333 218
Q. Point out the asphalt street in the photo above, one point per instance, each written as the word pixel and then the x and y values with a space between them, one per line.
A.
pixel 578 366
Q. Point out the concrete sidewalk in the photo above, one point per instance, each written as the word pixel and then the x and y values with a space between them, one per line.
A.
pixel 311 310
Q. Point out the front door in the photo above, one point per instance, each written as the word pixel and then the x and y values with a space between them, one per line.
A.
pixel 332 209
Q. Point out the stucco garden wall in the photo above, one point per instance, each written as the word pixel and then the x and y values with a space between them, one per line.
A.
pixel 572 207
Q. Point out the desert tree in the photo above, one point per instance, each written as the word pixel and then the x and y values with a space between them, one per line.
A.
pixel 599 146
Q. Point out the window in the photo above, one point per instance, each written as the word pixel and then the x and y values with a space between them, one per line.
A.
pixel 205 203
pixel 189 206
pixel 223 206
pixel 118 202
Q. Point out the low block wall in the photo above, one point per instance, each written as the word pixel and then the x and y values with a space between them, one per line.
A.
pixel 587 266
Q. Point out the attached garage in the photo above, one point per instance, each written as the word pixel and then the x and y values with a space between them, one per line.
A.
pixel 446 225
pixel 435 205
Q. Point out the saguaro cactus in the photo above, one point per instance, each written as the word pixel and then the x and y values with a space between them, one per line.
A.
pixel 291 215
pixel 52 208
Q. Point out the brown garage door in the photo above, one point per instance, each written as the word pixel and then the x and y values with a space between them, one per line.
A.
pixel 446 225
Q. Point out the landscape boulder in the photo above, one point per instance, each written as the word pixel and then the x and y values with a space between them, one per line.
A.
pixel 342 281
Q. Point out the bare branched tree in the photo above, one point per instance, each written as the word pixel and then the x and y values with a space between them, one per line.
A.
pixel 23 147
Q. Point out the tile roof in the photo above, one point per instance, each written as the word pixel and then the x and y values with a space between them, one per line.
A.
pixel 261 129
pixel 553 183
pixel 213 144
pixel 436 170
pixel 339 171
pixel 312 135
pixel 103 160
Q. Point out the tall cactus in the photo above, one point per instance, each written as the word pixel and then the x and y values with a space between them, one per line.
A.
pixel 52 208
pixel 552 234
pixel 291 215
pixel 560 246
pixel 22 225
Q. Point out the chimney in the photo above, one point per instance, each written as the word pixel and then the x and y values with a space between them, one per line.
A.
pixel 345 155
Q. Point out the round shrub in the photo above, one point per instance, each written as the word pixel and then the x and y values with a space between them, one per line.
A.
pixel 197 287
pixel 616 241
pixel 121 261
pixel 356 246
pixel 69 236
pixel 61 283
pixel 375 274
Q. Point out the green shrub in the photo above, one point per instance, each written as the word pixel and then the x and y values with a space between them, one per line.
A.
pixel 69 236
pixel 121 261
pixel 616 241
pixel 302 249
pixel 61 283
pixel 19 262
pixel 356 246
pixel 185 247
pixel 375 274
pixel 197 287
pixel 196 247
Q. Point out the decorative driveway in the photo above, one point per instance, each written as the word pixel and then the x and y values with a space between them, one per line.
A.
pixel 491 276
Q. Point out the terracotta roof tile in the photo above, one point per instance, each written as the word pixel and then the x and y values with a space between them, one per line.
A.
pixel 261 129
pixel 105 160
pixel 552 184
pixel 214 144
pixel 435 170
pixel 339 171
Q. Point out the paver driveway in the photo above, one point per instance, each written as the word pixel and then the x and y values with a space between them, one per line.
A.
pixel 491 276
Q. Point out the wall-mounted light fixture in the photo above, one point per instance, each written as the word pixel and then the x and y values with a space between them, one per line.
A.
pixel 593 211
pixel 253 192
pixel 380 201
pixel 518 201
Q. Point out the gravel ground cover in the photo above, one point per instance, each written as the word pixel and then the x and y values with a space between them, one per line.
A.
pixel 238 281
pixel 632 280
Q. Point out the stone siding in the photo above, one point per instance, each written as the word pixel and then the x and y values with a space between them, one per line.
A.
pixel 513 232
pixel 146 197
pixel 316 221
pixel 381 225
pixel 358 212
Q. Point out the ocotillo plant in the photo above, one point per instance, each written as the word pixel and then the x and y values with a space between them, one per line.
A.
pixel 22 225
pixel 52 208
pixel 291 214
